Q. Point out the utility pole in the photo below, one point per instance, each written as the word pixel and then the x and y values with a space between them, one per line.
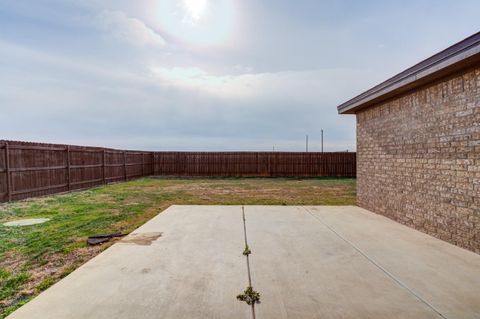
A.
pixel 322 139
pixel 306 143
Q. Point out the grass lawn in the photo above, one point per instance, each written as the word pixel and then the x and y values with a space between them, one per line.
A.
pixel 32 258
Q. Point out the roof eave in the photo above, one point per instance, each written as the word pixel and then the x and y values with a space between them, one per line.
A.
pixel 457 61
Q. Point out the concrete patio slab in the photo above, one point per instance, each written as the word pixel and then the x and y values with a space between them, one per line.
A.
pixel 306 262
pixel 193 270
pixel 303 270
pixel 440 273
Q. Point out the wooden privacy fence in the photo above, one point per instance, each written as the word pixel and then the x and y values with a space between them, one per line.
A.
pixel 268 164
pixel 36 169
pixel 272 164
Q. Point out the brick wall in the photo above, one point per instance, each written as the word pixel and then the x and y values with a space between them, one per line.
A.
pixel 418 159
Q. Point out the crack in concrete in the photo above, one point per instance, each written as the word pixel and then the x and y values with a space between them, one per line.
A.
pixel 248 257
pixel 376 264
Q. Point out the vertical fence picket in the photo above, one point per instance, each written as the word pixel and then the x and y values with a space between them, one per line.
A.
pixel 68 167
pixel 103 167
pixel 125 165
pixel 7 173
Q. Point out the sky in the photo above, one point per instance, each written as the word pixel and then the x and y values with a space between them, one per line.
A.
pixel 207 74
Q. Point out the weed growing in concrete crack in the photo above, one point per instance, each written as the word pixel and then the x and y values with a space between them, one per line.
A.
pixel 249 296
pixel 247 251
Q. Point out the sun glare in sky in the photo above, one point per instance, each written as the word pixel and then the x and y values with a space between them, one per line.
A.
pixel 197 22
pixel 195 8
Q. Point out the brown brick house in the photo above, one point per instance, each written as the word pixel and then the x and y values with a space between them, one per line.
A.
pixel 418 145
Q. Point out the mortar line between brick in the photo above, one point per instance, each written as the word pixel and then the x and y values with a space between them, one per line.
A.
pixel 248 259
pixel 376 264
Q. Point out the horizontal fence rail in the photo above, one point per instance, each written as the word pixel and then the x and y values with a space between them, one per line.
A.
pixel 36 169
pixel 267 164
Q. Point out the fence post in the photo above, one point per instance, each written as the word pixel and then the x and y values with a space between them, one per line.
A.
pixel 143 164
pixel 125 165
pixel 103 166
pixel 269 166
pixel 152 155
pixel 68 167
pixel 7 172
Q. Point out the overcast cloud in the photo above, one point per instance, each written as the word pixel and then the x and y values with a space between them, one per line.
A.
pixel 207 74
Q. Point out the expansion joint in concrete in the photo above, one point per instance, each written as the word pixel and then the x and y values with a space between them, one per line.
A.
pixel 246 253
